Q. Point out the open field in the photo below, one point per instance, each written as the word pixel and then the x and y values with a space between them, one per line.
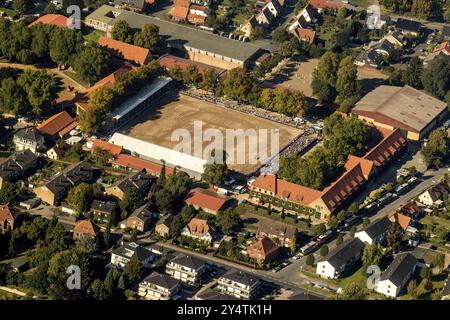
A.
pixel 174 112
pixel 296 75
pixel 370 79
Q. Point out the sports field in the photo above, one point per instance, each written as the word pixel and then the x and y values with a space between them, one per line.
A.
pixel 174 111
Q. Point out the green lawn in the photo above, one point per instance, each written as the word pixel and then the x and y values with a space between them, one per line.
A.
pixel 436 220
pixel 361 3
pixel 75 77
pixel 93 36
pixel 9 12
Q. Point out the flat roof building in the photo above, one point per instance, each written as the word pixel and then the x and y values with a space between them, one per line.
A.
pixel 414 112
pixel 199 45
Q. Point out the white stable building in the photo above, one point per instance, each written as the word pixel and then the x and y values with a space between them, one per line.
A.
pixel 146 150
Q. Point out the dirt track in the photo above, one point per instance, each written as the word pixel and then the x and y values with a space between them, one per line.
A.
pixel 180 112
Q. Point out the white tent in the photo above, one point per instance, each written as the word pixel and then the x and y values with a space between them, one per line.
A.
pixel 186 162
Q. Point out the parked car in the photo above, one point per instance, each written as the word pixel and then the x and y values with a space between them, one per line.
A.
pixel 352 221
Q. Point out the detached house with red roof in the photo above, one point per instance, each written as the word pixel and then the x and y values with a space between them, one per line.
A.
pixel 57 126
pixel 207 200
pixel 85 228
pixel 199 229
pixel 125 51
pixel 264 250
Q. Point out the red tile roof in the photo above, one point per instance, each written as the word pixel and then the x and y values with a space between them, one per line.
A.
pixel 170 62
pixel 180 9
pixel 444 47
pixel 303 34
pixel 402 220
pixel 321 4
pixel 206 199
pixel 6 213
pixel 387 148
pixel 124 50
pixel 198 227
pixel 86 227
pixel 127 161
pixel 196 18
pixel 284 189
pixel 56 124
pixel 52 19
pixel 106 146
pixel 366 165
pixel 264 247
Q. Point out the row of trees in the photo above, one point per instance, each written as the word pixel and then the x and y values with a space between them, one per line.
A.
pixel 426 9
pixel 103 99
pixel 30 92
pixel 148 37
pixel 335 80
pixel 342 137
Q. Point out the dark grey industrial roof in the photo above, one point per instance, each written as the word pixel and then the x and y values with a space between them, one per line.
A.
pixel 161 280
pixel 241 277
pixel 188 261
pixel 378 227
pixel 177 35
pixel 343 253
pixel 397 271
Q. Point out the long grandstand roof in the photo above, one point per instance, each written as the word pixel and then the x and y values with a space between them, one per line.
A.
pixel 155 152
pixel 141 96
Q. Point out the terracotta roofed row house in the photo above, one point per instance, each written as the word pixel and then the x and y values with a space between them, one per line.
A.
pixel 125 51
pixel 128 162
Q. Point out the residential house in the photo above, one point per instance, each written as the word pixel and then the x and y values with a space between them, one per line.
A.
pixel 57 126
pixel 207 200
pixel 55 153
pixel 371 59
pixel 85 228
pixel 57 188
pixel 320 5
pixel 9 217
pixel 282 233
pixel 197 14
pixel 304 18
pixel 17 166
pixel 265 17
pixel 398 217
pixel 307 35
pixel 140 219
pixel 180 10
pixel 397 39
pixel 444 48
pixel 434 195
pixel 210 294
pixel 125 51
pixel 158 286
pixel 199 229
pixel 162 227
pixel 103 210
pixel 135 180
pixel 103 145
pixel 29 138
pixel 386 48
pixel 132 251
pixel 187 269
pixel 375 232
pixel 240 284
pixel 128 162
pixel 263 250
pixel 340 259
pixel 408 27
pixel 397 275
pixel 249 26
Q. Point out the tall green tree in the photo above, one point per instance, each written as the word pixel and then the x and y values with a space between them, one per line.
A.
pixel 148 38
pixel 92 63
pixel 122 32
pixel 413 73
pixel 372 254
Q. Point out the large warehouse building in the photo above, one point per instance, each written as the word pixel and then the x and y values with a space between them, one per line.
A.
pixel 146 150
pixel 411 110
pixel 200 46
